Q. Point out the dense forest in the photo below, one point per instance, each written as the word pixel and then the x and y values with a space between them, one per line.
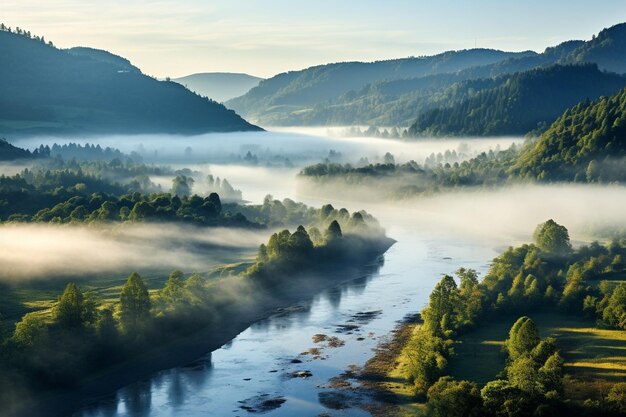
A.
pixel 520 103
pixel 585 143
pixel 273 101
pixel 547 278
pixel 82 91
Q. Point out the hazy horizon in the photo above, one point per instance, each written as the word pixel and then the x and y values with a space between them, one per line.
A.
pixel 264 38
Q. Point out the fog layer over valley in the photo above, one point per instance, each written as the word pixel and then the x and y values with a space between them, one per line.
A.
pixel 29 251
pixel 300 146
pixel 503 216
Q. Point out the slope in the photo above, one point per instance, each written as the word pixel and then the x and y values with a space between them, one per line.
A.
pixel 48 90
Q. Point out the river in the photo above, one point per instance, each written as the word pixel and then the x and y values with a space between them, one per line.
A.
pixel 266 364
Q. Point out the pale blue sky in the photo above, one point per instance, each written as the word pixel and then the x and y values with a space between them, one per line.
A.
pixel 263 37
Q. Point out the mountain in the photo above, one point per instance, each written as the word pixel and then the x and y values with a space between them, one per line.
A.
pixel 104 56
pixel 608 50
pixel 274 100
pixel 9 152
pixel 219 86
pixel 588 142
pixel 53 91
pixel 520 103
pixel 396 92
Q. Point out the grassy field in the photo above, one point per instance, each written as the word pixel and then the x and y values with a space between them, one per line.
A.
pixel 594 358
pixel 41 296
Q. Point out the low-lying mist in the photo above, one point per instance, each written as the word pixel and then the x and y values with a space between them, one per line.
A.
pixel 492 216
pixel 34 251
pixel 298 146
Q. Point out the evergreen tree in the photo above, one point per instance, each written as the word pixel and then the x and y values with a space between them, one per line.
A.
pixel 134 304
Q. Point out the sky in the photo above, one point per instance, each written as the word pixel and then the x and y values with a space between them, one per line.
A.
pixel 265 37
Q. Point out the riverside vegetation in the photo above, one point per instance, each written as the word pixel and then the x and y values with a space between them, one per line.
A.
pixel 81 336
pixel 540 334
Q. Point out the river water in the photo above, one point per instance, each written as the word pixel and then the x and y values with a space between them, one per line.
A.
pixel 257 363
pixel 265 364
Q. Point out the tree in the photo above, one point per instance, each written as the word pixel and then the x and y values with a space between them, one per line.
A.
pixel 615 312
pixel 214 199
pixel 173 291
pixel 181 185
pixel 333 232
pixel 553 238
pixel 141 211
pixel 300 241
pixel 523 374
pixel 134 304
pixel 501 399
pixel 551 374
pixel 450 398
pixel 30 329
pixel 617 397
pixel 73 309
pixel 523 338
pixel 440 315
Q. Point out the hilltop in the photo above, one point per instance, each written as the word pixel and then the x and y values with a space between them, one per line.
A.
pixel 46 90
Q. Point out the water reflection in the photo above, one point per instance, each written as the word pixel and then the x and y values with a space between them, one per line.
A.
pixel 137 398
pixel 258 363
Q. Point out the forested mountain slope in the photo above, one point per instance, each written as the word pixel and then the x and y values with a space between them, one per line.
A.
pixel 47 90
pixel 588 142
pixel 396 92
pixel 519 103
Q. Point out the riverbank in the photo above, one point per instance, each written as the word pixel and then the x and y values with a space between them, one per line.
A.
pixel 267 301
pixel 384 375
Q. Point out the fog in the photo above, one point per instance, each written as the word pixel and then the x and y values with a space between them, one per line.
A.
pixel 508 216
pixel 299 146
pixel 36 251
pixel 495 217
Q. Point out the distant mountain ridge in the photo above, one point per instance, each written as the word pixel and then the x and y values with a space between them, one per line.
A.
pixel 104 56
pixel 519 103
pixel 301 90
pixel 219 86
pixel 393 97
pixel 83 91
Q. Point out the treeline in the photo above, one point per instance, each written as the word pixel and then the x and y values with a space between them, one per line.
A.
pixel 81 335
pixel 58 187
pixel 546 275
pixel 69 151
pixel 520 103
pixel 24 33
pixel 137 207
pixel 410 178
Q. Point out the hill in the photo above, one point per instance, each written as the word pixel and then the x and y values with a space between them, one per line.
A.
pixel 396 92
pixel 104 56
pixel 608 50
pixel 519 103
pixel 276 99
pixel 52 91
pixel 9 152
pixel 398 102
pixel 587 143
pixel 219 86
